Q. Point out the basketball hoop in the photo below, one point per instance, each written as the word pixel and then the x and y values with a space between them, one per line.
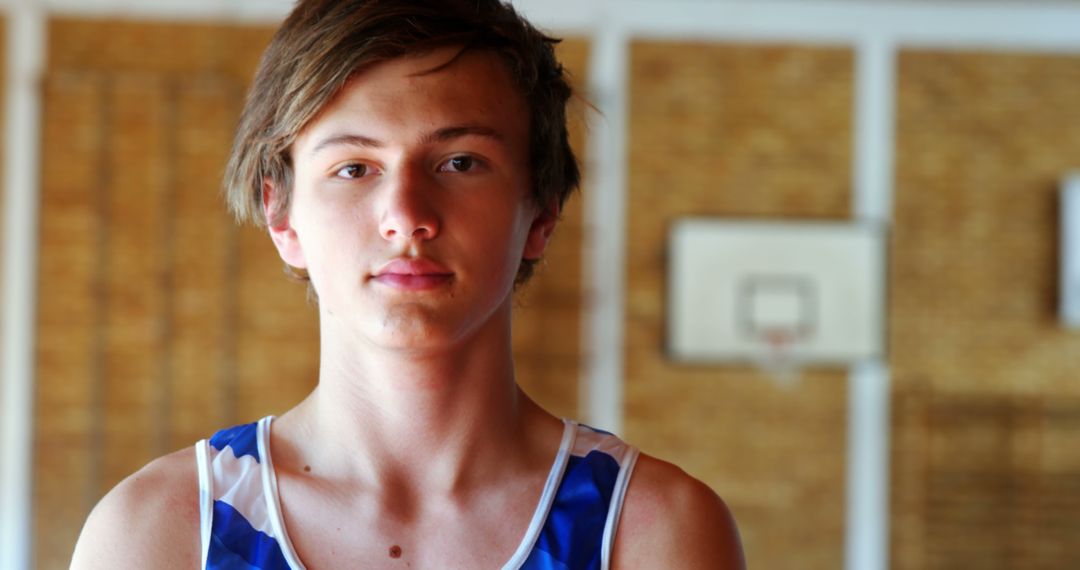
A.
pixel 777 358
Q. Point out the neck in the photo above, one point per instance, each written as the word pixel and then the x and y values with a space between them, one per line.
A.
pixel 455 411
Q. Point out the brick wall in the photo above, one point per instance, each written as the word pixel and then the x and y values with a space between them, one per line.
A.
pixel 986 418
pixel 746 131
pixel 142 324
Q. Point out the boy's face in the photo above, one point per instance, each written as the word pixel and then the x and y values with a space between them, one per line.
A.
pixel 411 208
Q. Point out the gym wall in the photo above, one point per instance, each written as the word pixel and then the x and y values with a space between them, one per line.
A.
pixel 160 321
pixel 986 419
pixel 748 131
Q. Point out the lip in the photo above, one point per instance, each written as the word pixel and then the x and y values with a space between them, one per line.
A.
pixel 412 274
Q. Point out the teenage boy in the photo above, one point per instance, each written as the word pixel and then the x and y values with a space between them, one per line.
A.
pixel 409 158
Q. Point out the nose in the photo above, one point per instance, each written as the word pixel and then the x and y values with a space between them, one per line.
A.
pixel 408 211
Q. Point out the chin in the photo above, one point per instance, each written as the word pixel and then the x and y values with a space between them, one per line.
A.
pixel 416 327
pixel 415 342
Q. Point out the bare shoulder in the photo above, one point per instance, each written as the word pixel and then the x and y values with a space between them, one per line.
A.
pixel 149 520
pixel 672 520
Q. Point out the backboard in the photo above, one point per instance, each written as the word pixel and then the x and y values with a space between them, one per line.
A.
pixel 811 293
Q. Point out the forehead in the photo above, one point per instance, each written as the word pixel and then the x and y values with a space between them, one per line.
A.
pixel 400 97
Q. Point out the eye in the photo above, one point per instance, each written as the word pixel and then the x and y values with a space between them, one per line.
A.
pixel 352 171
pixel 463 163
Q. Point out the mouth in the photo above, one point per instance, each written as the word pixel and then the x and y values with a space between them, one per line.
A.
pixel 412 274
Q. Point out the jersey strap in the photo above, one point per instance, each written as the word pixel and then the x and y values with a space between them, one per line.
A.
pixel 237 530
pixel 584 515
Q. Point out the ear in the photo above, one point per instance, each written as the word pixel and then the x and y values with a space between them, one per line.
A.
pixel 540 232
pixel 281 232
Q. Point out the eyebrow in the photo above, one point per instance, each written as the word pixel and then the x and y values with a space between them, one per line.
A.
pixel 441 135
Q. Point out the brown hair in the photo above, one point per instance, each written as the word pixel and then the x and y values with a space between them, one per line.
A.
pixel 323 43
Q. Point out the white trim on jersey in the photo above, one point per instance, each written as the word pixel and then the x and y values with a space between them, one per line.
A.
pixel 547 498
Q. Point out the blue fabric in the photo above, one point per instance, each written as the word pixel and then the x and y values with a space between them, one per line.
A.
pixel 598 430
pixel 240 438
pixel 573 534
pixel 236 545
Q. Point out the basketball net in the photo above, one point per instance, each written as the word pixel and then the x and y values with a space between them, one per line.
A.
pixel 778 360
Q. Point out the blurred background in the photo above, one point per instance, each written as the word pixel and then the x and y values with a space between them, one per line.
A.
pixel 138 318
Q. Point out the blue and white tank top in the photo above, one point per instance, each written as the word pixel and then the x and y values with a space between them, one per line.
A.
pixel 573 526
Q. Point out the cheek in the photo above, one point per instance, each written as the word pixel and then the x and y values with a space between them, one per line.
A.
pixel 326 212
pixel 329 236
pixel 516 238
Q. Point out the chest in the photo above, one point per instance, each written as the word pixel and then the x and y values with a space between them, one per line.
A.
pixel 251 520
pixel 337 537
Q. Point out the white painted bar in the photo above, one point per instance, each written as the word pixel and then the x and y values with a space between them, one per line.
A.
pixel 25 51
pixel 874 130
pixel 564 17
pixel 249 11
pixel 867 513
pixel 1069 280
pixel 866 544
pixel 604 257
pixel 1035 25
